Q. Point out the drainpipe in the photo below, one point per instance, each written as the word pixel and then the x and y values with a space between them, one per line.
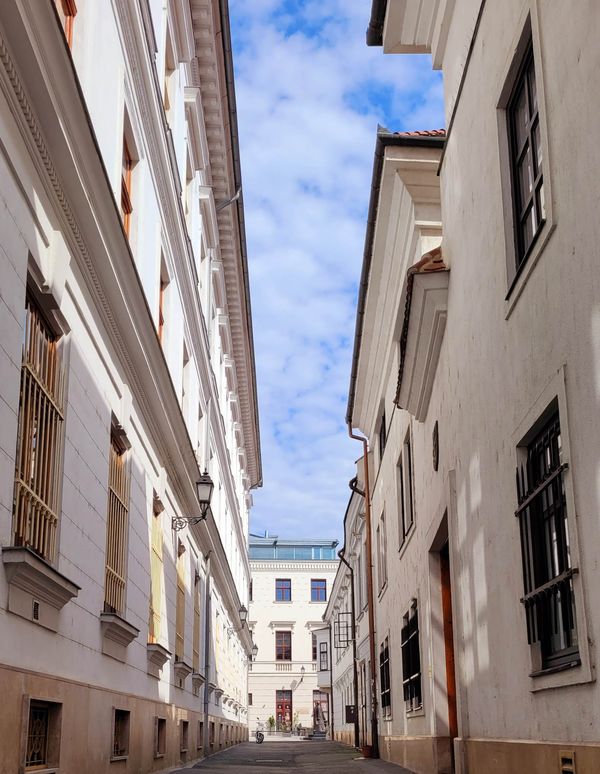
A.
pixel 370 600
pixel 207 633
pixel 354 659
pixel 330 664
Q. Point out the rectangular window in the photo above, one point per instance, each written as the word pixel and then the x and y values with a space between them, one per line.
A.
pixel 156 572
pixel 526 158
pixel 384 678
pixel 318 590
pixel 411 660
pixel 200 735
pixel 180 609
pixel 117 527
pixel 382 435
pixel 42 746
pixel 283 590
pixel 323 657
pixel 66 13
pixel 196 632
pixel 382 552
pixel 126 203
pixel 405 490
pixel 160 737
pixel 40 435
pixel 283 646
pixel 185 732
pixel 250 592
pixel 314 646
pixel 120 741
pixel 249 699
pixel 547 572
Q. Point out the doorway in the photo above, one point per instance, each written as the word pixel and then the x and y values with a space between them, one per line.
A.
pixel 320 711
pixel 446 584
pixel 283 710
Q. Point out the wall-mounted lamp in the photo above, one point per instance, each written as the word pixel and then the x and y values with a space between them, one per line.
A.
pixel 253 653
pixel 302 671
pixel 204 491
pixel 243 613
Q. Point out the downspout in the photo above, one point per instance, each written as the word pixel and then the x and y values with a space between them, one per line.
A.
pixel 370 599
pixel 354 658
pixel 330 664
pixel 207 633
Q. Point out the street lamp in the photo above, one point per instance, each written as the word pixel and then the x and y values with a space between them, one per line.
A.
pixel 302 671
pixel 254 651
pixel 204 490
pixel 243 613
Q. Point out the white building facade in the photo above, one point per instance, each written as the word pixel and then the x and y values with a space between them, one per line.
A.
pixel 291 583
pixel 474 381
pixel 127 370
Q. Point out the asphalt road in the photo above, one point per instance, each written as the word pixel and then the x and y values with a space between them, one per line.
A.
pixel 283 757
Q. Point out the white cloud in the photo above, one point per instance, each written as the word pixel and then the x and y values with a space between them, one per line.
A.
pixel 310 94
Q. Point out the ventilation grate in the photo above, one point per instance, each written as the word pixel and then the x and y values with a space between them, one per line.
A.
pixel 567 762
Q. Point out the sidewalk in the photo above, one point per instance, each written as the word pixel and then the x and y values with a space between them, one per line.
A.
pixel 290 755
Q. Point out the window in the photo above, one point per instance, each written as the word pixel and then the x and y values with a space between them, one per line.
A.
pixel 126 205
pixel 120 741
pixel 250 592
pixel 411 660
pixel 180 609
pixel 547 572
pixel 314 646
pixel 405 490
pixel 163 299
pixel 249 699
pixel 384 678
pixel 196 632
pixel 526 158
pixel 318 590
pixel 39 438
pixel 67 10
pixel 211 733
pixel 42 746
pixel 323 657
pixel 184 738
pixel 382 436
pixel 382 552
pixel 200 735
pixel 283 646
pixel 283 590
pixel 117 527
pixel 160 737
pixel 156 572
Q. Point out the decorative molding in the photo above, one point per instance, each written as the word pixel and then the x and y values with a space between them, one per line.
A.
pixel 117 629
pixel 312 565
pixel 158 656
pixel 182 669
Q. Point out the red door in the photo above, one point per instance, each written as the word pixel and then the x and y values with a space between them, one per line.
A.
pixel 283 710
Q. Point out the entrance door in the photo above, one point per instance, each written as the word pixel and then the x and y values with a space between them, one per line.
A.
pixel 320 711
pixel 449 644
pixel 283 710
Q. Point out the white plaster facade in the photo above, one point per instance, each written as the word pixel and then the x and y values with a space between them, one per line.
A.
pixel 301 616
pixel 182 404
pixel 481 356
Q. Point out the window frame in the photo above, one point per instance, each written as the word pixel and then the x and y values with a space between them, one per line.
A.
pixel 385 686
pixel 411 660
pixel 406 490
pixel 117 529
pixel 382 553
pixel 124 715
pixel 283 648
pixel 52 733
pixel 285 590
pixel 318 589
pixel 323 656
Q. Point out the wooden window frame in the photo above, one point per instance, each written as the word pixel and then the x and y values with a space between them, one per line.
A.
pixel 283 645
pixel 67 10
pixel 534 202
pixel 323 657
pixel 40 437
pixel 126 190
pixel 283 592
pixel 315 590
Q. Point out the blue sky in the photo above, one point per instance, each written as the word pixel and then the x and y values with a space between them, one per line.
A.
pixel 310 94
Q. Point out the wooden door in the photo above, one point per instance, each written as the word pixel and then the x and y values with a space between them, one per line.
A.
pixel 283 710
pixel 449 644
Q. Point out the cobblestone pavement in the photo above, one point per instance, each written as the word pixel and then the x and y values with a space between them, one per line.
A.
pixel 283 757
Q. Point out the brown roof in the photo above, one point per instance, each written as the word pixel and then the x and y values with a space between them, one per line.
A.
pixel 423 133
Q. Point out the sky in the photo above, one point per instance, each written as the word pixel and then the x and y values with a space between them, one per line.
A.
pixel 310 95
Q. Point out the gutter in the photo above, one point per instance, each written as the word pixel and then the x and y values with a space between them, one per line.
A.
pixel 239 202
pixel 341 554
pixel 375 28
pixel 384 139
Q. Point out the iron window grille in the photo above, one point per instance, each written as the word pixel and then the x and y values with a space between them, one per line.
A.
pixel 318 590
pixel 384 677
pixel 117 528
pixel 37 735
pixel 39 439
pixel 547 572
pixel 283 590
pixel 283 646
pixel 526 159
pixel 120 747
pixel 411 660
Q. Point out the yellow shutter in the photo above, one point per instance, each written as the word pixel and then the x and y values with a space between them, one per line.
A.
pixel 196 642
pixel 180 611
pixel 156 580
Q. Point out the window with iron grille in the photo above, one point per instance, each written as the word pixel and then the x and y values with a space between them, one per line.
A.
pixel 42 745
pixel 384 678
pixel 318 590
pixel 283 646
pixel 411 660
pixel 547 572
pixel 120 745
pixel 117 527
pixel 40 438
pixel 526 158
pixel 283 590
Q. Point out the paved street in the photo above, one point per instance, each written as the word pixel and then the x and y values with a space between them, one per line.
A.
pixel 283 757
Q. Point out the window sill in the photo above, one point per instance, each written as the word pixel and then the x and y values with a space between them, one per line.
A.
pixel 416 713
pixel 115 758
pixel 555 669
pixel 158 755
pixel 406 541
pixel 578 672
pixel 382 590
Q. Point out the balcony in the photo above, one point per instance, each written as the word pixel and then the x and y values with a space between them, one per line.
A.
pixel 324 679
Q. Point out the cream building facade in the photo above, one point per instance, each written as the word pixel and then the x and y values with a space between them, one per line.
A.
pixel 474 380
pixel 126 371
pixel 291 582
